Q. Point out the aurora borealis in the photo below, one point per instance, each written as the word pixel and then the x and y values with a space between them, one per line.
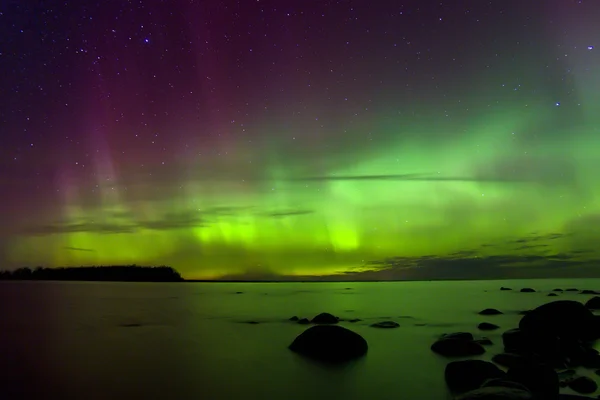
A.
pixel 269 139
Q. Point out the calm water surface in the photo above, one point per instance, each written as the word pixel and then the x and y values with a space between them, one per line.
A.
pixel 102 341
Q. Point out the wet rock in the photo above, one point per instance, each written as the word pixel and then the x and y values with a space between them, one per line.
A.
pixel 458 335
pixel 496 393
pixel 354 320
pixel 572 290
pixel 457 348
pixel 583 384
pixel 588 292
pixel 593 303
pixel 330 343
pixel 552 295
pixel 574 397
pixel 541 380
pixel 294 318
pixel 527 290
pixel 325 318
pixel 303 321
pixel 239 292
pixel 490 311
pixel 486 326
pixel 462 376
pixel 484 342
pixel 385 324
pixel 505 288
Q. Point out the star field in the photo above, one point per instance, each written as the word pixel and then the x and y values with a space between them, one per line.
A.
pixel 301 138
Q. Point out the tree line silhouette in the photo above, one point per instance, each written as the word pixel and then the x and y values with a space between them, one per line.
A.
pixel 117 273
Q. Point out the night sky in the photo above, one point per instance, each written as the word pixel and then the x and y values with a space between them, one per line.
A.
pixel 278 139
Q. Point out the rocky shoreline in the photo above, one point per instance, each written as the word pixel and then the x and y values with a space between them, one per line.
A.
pixel 547 351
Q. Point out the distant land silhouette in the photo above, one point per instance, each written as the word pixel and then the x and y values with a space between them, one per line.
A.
pixel 117 273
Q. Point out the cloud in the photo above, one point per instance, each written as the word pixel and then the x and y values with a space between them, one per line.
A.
pixel 78 249
pixel 290 213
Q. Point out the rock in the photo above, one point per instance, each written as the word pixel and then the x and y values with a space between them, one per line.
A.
pixel 251 322
pixel 385 324
pixel 563 318
pixel 330 343
pixel 458 335
pixel 541 380
pixel 573 397
pixel 588 292
pixel 462 376
pixel 514 340
pixel 239 292
pixel 325 318
pixel 527 290
pixel 500 382
pixel 552 295
pixel 486 326
pixel 511 360
pixel 355 320
pixel 303 321
pixel 496 393
pixel 484 341
pixel 505 288
pixel 593 303
pixel 524 312
pixel 572 290
pixel 583 384
pixel 490 311
pixel 294 318
pixel 457 348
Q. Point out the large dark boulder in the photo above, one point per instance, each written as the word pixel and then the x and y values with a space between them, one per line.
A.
pixel 499 382
pixel 562 318
pixel 457 348
pixel 593 303
pixel 330 343
pixel 496 393
pixel 514 340
pixel 540 379
pixel 325 318
pixel 462 376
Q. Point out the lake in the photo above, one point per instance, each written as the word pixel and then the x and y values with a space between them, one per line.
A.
pixel 100 341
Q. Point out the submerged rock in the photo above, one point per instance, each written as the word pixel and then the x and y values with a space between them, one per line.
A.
pixel 588 292
pixel 496 393
pixel 458 335
pixel 490 311
pixel 330 343
pixel 484 341
pixel 457 348
pixel 505 288
pixel 294 318
pixel 385 324
pixel 355 320
pixel 325 318
pixel 303 321
pixel 462 376
pixel 486 326
pixel 552 295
